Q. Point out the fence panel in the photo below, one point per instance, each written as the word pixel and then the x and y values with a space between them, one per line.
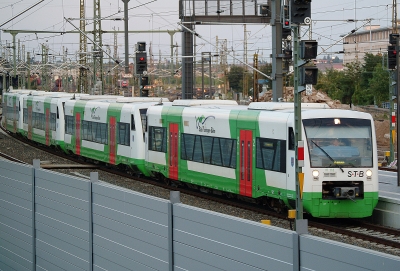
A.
pixel 205 240
pixel 321 254
pixel 130 230
pixel 62 221
pixel 16 240
pixel 133 231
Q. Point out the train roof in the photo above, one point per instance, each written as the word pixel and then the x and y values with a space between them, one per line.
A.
pixel 22 91
pixel 141 99
pixel 100 97
pixel 189 103
pixel 274 106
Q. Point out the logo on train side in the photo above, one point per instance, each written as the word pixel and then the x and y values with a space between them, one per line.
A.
pixel 201 124
pixel 10 101
pixel 93 113
pixel 37 108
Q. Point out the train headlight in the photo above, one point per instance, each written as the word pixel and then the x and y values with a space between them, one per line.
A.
pixel 315 175
pixel 369 174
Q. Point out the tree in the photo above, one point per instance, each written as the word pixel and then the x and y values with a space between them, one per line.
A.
pixel 378 84
pixel 266 69
pixel 336 60
pixel 351 82
pixel 370 62
pixel 235 78
pixel 331 83
pixel 361 84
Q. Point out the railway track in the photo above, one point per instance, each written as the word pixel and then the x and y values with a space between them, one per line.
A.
pixel 347 227
pixel 10 158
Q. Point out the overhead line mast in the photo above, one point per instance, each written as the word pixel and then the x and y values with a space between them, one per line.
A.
pixel 97 48
pixel 394 17
pixel 82 79
pixel 396 76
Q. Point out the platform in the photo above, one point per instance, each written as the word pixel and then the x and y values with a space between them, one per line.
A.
pixel 387 211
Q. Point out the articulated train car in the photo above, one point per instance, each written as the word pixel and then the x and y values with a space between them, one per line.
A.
pixel 111 131
pixel 12 104
pixel 43 117
pixel 249 152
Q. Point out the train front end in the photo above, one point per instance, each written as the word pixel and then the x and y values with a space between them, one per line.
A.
pixel 341 172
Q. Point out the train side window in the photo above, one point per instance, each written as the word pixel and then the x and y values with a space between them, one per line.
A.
pixel 187 145
pixel 123 134
pixel 198 150
pixel 53 121
pixel 210 150
pixel 25 116
pixel 206 142
pixel 69 125
pixel 133 127
pixel 271 154
pixel 291 145
pixel 157 139
pixel 216 152
pixel 143 118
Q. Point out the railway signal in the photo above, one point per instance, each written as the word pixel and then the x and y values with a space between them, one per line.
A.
pixel 286 30
pixel 308 49
pixel 300 11
pixel 141 62
pixel 141 46
pixel 393 38
pixel 308 74
pixel 392 55
pixel 144 82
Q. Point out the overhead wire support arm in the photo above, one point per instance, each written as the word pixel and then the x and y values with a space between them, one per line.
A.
pixel 348 34
pixel 248 65
pixel 116 61
pixel 22 12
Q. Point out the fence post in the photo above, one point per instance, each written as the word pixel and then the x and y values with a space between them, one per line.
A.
pixel 174 197
pixel 301 228
pixel 94 177
pixel 36 165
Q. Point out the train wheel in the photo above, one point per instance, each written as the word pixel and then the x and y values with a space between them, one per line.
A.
pixel 167 181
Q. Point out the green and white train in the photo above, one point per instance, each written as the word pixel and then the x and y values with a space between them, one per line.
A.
pixel 249 152
pixel 221 147
pixel 109 130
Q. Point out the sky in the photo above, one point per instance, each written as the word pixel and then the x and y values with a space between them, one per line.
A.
pixel 329 23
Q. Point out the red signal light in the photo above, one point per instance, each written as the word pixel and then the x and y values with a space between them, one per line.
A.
pixel 286 23
pixel 141 58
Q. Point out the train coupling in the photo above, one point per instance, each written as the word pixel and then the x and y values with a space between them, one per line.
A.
pixel 346 192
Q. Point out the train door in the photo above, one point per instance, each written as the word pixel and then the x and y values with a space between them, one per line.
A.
pixel 47 131
pixel 78 133
pixel 30 121
pixel 113 145
pixel 173 151
pixel 245 162
pixel 15 115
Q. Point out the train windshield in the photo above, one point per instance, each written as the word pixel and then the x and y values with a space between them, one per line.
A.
pixel 339 142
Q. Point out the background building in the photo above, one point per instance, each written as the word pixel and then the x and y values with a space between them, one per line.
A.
pixel 373 39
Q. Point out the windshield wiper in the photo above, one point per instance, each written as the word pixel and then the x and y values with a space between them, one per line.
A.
pixel 333 160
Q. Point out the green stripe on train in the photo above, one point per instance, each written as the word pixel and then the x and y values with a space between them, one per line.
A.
pixel 316 206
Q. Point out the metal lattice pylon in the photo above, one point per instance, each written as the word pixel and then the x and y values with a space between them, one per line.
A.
pixel 82 80
pixel 97 49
